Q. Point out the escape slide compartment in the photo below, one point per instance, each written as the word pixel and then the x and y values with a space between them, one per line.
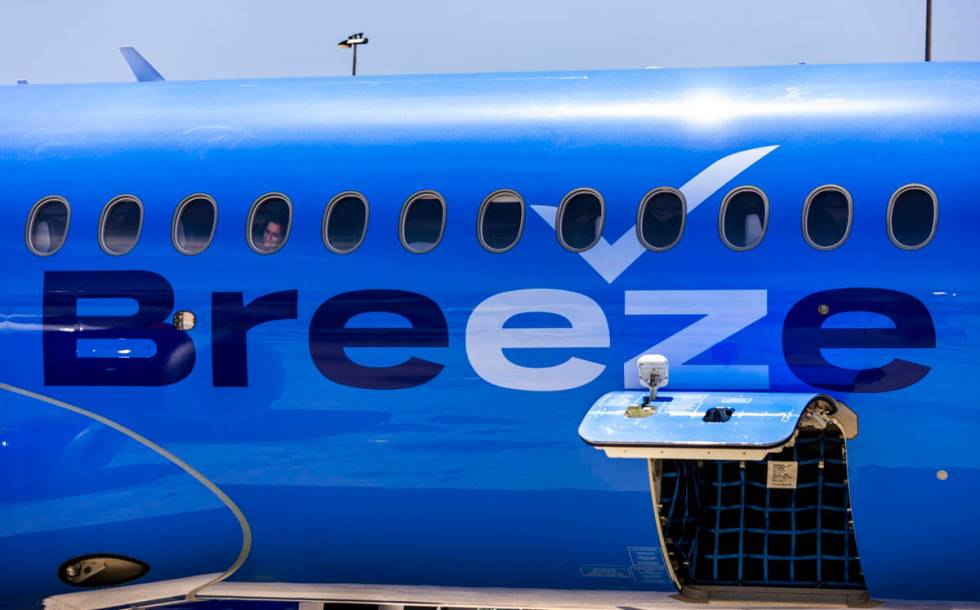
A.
pixel 750 490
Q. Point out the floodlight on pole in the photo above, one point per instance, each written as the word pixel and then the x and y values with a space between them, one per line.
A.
pixel 352 42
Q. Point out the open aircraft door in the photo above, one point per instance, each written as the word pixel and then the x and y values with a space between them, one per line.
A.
pixel 750 490
pixel 87 504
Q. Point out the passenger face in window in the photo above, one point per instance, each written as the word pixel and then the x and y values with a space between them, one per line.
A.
pixel 272 236
pixel 270 225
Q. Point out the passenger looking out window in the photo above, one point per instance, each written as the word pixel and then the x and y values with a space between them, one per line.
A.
pixel 270 224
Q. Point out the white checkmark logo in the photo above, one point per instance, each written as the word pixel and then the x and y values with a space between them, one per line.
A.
pixel 610 260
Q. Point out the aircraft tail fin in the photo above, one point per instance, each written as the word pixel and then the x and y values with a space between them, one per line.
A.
pixel 142 69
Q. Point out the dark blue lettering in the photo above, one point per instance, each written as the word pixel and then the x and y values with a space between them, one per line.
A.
pixel 804 337
pixel 329 337
pixel 64 328
pixel 231 320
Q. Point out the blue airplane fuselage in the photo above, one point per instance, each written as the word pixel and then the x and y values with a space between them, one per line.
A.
pixel 442 449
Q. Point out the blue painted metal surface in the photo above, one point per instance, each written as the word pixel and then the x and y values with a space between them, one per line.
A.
pixel 477 477
pixel 142 69
pixel 757 419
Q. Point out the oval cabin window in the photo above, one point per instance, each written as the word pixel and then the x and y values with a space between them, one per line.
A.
pixel 120 225
pixel 47 226
pixel 345 223
pixel 827 218
pixel 744 218
pixel 660 221
pixel 501 221
pixel 194 224
pixel 580 220
pixel 912 216
pixel 268 224
pixel 423 222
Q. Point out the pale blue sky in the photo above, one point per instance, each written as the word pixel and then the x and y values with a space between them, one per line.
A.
pixel 49 41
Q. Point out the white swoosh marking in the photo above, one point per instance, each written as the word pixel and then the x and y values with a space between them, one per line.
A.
pixel 170 457
pixel 611 260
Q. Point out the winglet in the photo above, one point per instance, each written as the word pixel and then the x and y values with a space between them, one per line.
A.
pixel 142 69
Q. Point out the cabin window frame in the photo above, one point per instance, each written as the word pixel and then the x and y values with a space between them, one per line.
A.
pixel 328 210
pixel 748 188
pixel 105 214
pixel 891 210
pixel 806 210
pixel 251 218
pixel 482 214
pixel 31 217
pixel 423 194
pixel 177 214
pixel 561 213
pixel 645 201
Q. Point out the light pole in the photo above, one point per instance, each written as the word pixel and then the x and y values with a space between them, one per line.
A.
pixel 928 30
pixel 352 42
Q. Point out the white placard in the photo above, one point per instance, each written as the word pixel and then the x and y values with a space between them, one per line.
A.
pixel 781 475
